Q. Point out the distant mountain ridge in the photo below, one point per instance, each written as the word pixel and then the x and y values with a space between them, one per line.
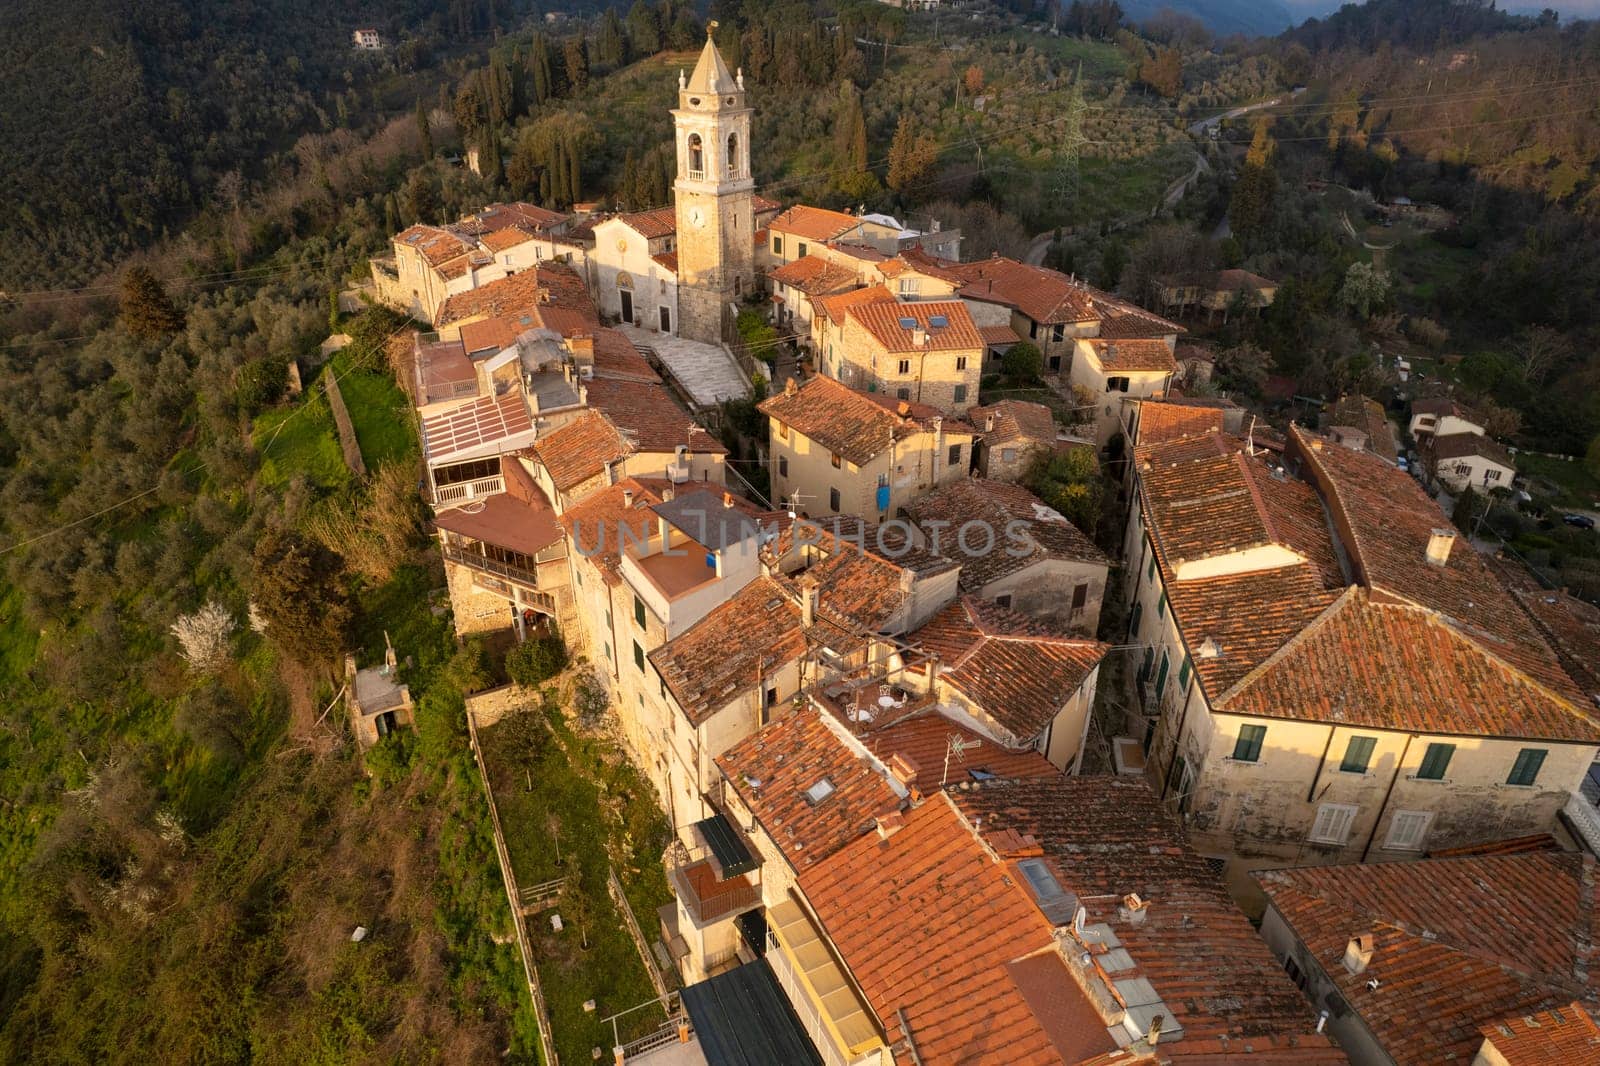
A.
pixel 1261 18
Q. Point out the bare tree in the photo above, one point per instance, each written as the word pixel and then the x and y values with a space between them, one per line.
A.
pixel 1541 349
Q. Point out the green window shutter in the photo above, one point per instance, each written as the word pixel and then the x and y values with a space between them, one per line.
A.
pixel 638 656
pixel 1248 747
pixel 1161 606
pixel 1150 571
pixel 1161 678
pixel 1435 761
pixel 1358 755
pixel 638 611
pixel 1184 671
pixel 1525 771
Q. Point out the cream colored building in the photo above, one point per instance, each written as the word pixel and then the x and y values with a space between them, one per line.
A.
pixel 1328 675
pixel 926 352
pixel 636 269
pixel 1115 372
pixel 1470 460
pixel 836 450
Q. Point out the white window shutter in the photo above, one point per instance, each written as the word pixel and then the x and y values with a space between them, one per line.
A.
pixel 1333 823
pixel 1408 830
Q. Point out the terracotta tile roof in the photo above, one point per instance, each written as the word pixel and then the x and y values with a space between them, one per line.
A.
pixel 615 356
pixel 1390 519
pixel 581 449
pixel 920 743
pixel 1568 624
pixel 1233 623
pixel 501 239
pixel 859 588
pixel 1133 356
pixel 521 520
pixel 760 204
pixel 524 293
pixel 501 216
pixel 929 924
pixel 1106 837
pixel 1394 666
pixel 1160 422
pixel 1459 943
pixel 994 336
pixel 999 504
pixel 728 651
pixel 918 259
pixel 495 334
pixel 488 420
pixel 813 223
pixel 1463 445
pixel 814 276
pixel 886 324
pixel 1566 1034
pixel 1235 279
pixel 647 415
pixel 435 244
pixel 835 305
pixel 652 224
pixel 1016 671
pixel 667 261
pixel 863 252
pixel 1368 416
pixel 772 769
pixel 595 524
pixel 858 425
pixel 1510 846
pixel 1049 296
pixel 1439 406
pixel 1205 497
pixel 1124 321
pixel 1014 421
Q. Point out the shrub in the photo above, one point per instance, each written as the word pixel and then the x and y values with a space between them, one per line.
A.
pixel 204 636
pixel 537 660
pixel 1022 363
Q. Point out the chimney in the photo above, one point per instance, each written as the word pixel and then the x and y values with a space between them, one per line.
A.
pixel 903 409
pixel 1153 1035
pixel 627 497
pixel 667 493
pixel 810 594
pixel 903 768
pixel 727 499
pixel 890 824
pixel 1133 909
pixel 1440 541
pixel 790 388
pixel 1358 953
pixel 988 423
pixel 919 338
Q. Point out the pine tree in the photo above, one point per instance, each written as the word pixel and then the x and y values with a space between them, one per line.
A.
pixel 391 214
pixel 424 131
pixel 147 311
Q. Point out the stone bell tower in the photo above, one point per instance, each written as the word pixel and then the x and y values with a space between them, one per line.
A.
pixel 713 193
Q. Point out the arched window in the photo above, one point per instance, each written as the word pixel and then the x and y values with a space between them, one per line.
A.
pixel 697 165
pixel 735 170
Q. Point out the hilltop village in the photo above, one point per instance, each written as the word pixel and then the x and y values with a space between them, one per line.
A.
pixel 952 779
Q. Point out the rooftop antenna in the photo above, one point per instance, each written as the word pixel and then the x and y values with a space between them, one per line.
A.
pixel 957 745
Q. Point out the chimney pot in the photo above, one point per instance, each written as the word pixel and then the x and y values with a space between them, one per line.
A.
pixel 919 337
pixel 1133 909
pixel 727 499
pixel 1440 541
pixel 904 409
pixel 1358 953
pixel 890 824
pixel 627 497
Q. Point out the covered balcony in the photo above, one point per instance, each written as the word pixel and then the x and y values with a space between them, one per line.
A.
pixel 712 879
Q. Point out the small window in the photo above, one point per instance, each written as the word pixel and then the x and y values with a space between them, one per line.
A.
pixel 783 466
pixel 902 394
pixel 800 249
pixel 1357 755
pixel 819 792
pixel 1004 600
pixel 1248 747
pixel 638 656
pixel 1033 331
pixel 1491 475
pixel 1150 571
pixel 1435 761
pixel 770 697
pixel 961 362
pixel 955 454
pixel 1408 830
pixel 961 394
pixel 1333 823
pixel 783 431
pixel 833 499
pixel 638 612
pixel 904 367
pixel 833 457
pixel 777 244
pixel 1525 771
pixel 1058 331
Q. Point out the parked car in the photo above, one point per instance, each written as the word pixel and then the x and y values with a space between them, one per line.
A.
pixel 1582 521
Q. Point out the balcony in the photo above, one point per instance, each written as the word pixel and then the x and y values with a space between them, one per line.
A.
pixel 466 491
pixel 834 1017
pixel 701 890
pixel 501 576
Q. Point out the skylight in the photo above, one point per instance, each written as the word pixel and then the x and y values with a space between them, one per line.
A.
pixel 938 321
pixel 908 323
pixel 819 792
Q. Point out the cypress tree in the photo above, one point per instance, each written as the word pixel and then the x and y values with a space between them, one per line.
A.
pixel 147 311
pixel 424 131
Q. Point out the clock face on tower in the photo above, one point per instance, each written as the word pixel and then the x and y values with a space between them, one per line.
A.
pixel 697 217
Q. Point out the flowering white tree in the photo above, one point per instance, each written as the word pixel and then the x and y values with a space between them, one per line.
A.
pixel 204 636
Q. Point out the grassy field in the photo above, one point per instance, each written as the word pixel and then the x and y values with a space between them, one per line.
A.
pixel 379 411
pixel 1579 488
pixel 586 796
pixel 1100 60
pixel 301 441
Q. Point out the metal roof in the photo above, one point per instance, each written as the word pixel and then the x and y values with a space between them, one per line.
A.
pixel 729 850
pixel 743 1018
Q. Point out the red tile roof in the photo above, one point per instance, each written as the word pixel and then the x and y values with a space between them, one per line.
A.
pixel 1160 422
pixel 596 523
pixel 1464 445
pixel 523 293
pixel 1568 624
pixel 1025 531
pixel 995 336
pixel 930 924
pixel 814 276
pixel 580 449
pixel 521 521
pixel 649 417
pixel 1566 1035
pixel 495 334
pixel 436 245
pixel 772 769
pixel 1106 837
pixel 500 216
pixel 1459 943
pixel 858 425
pixel 1016 671
pixel 1048 296
pixel 921 743
pixel 813 223
pixel 836 305
pixel 501 239
pixel 658 222
pixel 615 356
pixel 1133 356
pixel 886 323
pixel 1014 421
pixel 1369 417
pixel 1233 623
pixel 667 261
